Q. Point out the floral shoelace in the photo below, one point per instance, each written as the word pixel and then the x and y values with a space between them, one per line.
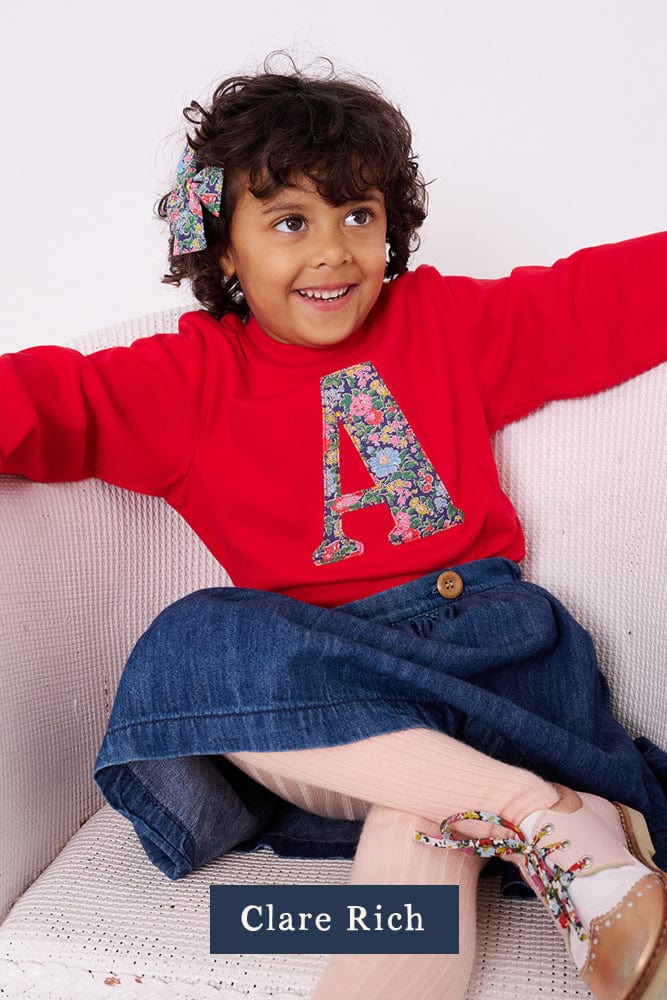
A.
pixel 550 882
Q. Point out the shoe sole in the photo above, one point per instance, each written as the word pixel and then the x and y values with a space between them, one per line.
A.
pixel 639 843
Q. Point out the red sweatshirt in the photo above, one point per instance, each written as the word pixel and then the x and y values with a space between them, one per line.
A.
pixel 330 474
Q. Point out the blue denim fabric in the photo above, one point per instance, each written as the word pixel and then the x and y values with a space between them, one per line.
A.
pixel 503 667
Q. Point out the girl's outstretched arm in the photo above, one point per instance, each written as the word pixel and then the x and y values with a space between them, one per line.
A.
pixel 128 415
pixel 588 322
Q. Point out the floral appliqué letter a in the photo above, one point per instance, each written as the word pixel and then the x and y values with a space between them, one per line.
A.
pixel 405 479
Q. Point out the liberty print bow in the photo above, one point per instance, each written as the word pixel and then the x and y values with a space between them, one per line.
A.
pixel 194 188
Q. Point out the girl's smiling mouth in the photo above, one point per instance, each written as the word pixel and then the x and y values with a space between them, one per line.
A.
pixel 325 298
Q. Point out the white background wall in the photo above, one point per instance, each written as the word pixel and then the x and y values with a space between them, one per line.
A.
pixel 542 125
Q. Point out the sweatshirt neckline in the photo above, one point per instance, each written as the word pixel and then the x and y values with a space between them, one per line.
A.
pixel 296 356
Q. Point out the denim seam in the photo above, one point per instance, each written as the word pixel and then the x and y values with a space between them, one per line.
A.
pixel 133 778
pixel 268 711
pixel 435 610
pixel 421 616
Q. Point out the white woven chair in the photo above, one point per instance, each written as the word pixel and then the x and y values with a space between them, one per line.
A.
pixel 85 567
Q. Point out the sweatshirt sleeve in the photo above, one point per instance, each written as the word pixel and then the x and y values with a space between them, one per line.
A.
pixel 128 415
pixel 586 323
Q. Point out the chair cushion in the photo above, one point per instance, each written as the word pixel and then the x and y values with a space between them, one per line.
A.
pixel 101 915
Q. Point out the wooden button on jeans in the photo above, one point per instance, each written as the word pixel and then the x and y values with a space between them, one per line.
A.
pixel 449 584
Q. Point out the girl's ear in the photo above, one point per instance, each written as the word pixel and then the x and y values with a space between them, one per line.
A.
pixel 226 261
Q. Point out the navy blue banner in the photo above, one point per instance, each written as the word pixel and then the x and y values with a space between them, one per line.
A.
pixel 335 919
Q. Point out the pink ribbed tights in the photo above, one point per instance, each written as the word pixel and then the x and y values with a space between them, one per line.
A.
pixel 398 783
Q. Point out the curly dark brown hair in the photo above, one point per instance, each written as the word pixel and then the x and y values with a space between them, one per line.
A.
pixel 274 129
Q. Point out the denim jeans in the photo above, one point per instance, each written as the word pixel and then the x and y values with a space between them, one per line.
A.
pixel 503 667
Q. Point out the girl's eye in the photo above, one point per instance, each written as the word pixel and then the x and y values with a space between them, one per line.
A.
pixel 292 224
pixel 359 217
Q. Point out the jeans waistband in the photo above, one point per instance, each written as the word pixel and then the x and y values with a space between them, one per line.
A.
pixel 421 595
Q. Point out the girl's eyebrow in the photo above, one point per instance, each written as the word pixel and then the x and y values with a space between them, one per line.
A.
pixel 283 206
pixel 299 206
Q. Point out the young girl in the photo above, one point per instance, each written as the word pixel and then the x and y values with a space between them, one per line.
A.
pixel 324 425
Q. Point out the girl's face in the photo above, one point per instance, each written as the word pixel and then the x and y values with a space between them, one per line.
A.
pixel 310 271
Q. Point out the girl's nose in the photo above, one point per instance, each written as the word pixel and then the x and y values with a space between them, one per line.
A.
pixel 330 249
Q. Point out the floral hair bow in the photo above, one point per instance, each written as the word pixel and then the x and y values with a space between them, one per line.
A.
pixel 194 189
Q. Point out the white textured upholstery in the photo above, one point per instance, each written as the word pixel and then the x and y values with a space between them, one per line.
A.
pixel 124 921
pixel 85 567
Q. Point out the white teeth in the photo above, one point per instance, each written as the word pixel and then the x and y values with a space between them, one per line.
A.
pixel 325 295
